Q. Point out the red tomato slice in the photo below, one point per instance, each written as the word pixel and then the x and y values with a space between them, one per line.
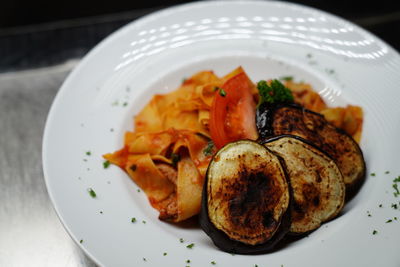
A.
pixel 233 116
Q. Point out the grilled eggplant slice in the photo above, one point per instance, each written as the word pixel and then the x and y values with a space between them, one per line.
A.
pixel 246 199
pixel 318 190
pixel 293 119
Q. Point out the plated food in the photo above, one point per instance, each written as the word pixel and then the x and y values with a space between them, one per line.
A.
pixel 119 77
pixel 256 161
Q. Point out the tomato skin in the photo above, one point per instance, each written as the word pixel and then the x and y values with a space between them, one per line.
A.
pixel 232 117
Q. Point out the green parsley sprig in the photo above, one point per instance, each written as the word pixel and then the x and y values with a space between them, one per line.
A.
pixel 273 92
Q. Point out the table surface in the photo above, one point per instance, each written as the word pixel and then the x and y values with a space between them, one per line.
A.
pixel 30 231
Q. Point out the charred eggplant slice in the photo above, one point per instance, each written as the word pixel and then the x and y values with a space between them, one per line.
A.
pixel 245 201
pixel 293 119
pixel 318 190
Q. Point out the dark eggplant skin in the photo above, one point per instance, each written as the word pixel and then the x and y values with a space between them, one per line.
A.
pixel 293 119
pixel 225 243
pixel 264 120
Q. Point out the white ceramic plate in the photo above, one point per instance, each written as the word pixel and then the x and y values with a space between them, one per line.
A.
pixel 96 104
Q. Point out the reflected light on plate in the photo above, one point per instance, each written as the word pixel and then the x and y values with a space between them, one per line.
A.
pixel 285 26
pixel 189 23
pixel 209 32
pixel 223 19
pixel 240 19
pixel 287 19
pixel 206 21
pixel 223 25
pixel 258 18
pixel 308 31
pixel 241 31
pixel 330 94
pixel 273 32
pixel 246 24
pixel 267 25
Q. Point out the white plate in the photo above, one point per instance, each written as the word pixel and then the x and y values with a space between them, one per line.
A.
pixel 96 104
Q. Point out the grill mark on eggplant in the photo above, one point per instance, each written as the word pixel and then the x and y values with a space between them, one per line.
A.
pixel 254 197
pixel 256 221
pixel 318 190
pixel 295 120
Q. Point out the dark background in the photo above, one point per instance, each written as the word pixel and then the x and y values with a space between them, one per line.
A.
pixel 42 33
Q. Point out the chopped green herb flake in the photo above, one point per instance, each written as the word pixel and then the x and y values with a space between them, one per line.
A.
pixel 396 188
pixel 101 212
pixel 222 92
pixel 395 218
pixel 175 158
pixel 274 92
pixel 396 180
pixel 286 78
pixel 374 232
pixel 213 263
pixel 330 71
pixel 380 206
pixel 389 221
pixel 181 240
pixel 394 206
pixel 133 220
pixel 106 164
pixel 92 193
pixel 387 172
pixel 81 241
pixel 187 261
pixel 208 150
pixel 144 222
pixel 190 245
pixel 138 190
pixel 165 254
pixel 368 213
pixel 125 104
pixel 373 174
pixel 144 259
pixel 88 153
